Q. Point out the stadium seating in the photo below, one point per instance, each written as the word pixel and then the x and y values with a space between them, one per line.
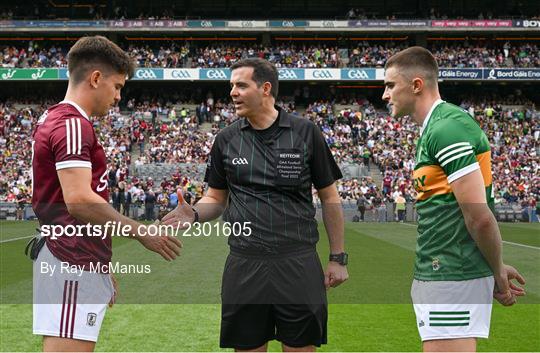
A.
pixel 179 143
pixel 458 54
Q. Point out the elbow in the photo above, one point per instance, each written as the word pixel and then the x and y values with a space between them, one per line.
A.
pixel 76 209
pixel 77 204
pixel 479 224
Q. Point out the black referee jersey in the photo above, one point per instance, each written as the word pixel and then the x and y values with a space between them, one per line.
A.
pixel 269 174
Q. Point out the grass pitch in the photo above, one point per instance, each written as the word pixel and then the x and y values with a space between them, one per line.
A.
pixel 370 312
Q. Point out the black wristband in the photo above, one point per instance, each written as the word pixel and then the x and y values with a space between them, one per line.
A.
pixel 342 259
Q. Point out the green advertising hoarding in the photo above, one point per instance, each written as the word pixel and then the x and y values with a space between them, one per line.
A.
pixel 28 74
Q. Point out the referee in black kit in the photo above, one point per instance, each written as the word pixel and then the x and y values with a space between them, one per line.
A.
pixel 260 175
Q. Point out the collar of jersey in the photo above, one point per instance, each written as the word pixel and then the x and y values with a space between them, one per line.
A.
pixel 83 113
pixel 426 120
pixel 283 116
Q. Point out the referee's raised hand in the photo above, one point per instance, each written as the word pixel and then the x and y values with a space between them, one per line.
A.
pixel 182 216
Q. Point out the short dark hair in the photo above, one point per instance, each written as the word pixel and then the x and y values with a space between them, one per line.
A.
pixel 415 60
pixel 263 71
pixel 97 52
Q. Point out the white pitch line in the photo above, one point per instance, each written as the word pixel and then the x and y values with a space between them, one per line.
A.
pixel 523 245
pixel 15 239
pixel 504 241
pixel 408 224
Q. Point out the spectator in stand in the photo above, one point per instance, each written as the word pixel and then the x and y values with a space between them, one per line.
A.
pixel 21 199
pixel 387 183
pixel 115 199
pixel 149 204
pixel 361 204
pixel 400 207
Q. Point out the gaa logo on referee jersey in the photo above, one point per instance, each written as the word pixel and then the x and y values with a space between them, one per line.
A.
pixel 145 74
pixel 240 161
pixel 287 75
pixel 91 319
pixel 216 74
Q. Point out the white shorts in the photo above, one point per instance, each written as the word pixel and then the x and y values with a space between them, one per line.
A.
pixel 70 305
pixel 453 309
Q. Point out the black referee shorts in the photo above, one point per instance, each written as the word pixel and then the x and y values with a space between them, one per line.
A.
pixel 273 297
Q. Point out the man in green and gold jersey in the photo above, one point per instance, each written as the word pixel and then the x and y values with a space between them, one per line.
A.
pixel 459 266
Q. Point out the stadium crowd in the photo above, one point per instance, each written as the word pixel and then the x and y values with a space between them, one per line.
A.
pixel 473 54
pixel 120 10
pixel 357 133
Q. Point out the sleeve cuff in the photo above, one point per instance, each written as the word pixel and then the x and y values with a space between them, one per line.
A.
pixel 217 185
pixel 73 164
pixel 325 184
pixel 462 172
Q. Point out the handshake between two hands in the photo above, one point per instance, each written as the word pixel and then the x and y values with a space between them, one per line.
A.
pixel 169 246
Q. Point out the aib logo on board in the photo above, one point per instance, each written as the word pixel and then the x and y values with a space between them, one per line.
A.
pixel 216 74
pixel 322 74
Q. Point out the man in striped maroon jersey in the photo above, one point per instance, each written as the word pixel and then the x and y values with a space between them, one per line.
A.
pixel 70 188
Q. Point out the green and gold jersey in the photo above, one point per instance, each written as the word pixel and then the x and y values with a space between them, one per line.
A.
pixel 450 146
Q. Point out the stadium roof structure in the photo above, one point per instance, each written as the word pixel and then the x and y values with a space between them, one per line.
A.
pixel 274 26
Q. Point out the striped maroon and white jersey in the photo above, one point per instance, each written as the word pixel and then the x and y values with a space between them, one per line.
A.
pixel 64 138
